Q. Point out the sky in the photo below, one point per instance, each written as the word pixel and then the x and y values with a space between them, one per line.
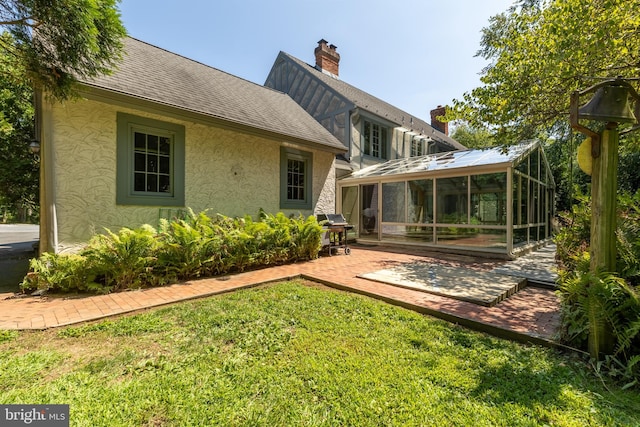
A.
pixel 413 54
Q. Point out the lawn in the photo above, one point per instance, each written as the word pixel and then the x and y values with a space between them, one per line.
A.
pixel 299 354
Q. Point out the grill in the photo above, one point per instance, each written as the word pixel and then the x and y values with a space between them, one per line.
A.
pixel 335 235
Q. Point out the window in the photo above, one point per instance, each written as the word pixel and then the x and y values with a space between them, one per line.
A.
pixel 295 179
pixel 150 169
pixel 375 139
pixel 419 146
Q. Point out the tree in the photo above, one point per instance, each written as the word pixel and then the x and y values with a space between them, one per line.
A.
pixel 472 137
pixel 19 171
pixel 58 42
pixel 46 45
pixel 542 50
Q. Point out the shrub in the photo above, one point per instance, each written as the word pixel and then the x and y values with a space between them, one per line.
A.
pixel 182 249
pixel 188 248
pixel 601 310
pixel 124 260
pixel 573 237
pixel 59 272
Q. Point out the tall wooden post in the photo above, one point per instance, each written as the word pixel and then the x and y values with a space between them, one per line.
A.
pixel 604 188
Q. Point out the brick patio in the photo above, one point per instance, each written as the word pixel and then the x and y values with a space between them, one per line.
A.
pixel 532 314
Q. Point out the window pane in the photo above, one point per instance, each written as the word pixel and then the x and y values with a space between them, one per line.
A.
pixel 369 206
pixel 148 163
pixel 420 201
pixel 164 165
pixel 403 233
pixel 350 205
pixel 523 166
pixel 152 143
pixel 520 236
pixel 393 196
pixel 165 184
pixel 140 141
pixel 375 140
pixel 152 163
pixel 152 183
pixel 295 179
pixel 476 237
pixel 452 200
pixel 534 164
pixel 489 199
pixel 516 194
pixel 139 162
pixel 139 182
pixel 165 146
pixel 524 200
pixel 367 138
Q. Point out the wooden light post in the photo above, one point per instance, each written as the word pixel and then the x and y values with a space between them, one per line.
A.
pixel 609 105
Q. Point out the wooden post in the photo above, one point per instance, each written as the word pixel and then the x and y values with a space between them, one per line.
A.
pixel 604 189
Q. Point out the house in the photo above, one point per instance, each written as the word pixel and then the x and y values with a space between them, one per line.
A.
pixel 372 130
pixel 403 181
pixel 164 132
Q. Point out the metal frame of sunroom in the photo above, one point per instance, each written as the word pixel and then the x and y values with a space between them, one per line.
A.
pixel 498 201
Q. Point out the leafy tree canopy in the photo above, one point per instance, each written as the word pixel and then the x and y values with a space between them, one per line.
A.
pixel 542 50
pixel 58 42
pixel 472 137
pixel 19 171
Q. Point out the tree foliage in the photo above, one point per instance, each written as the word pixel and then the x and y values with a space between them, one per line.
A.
pixel 19 171
pixel 472 137
pixel 539 51
pixel 58 42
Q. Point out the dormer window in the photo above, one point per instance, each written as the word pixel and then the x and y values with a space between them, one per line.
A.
pixel 376 139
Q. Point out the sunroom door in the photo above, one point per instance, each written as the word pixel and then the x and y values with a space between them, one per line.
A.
pixel 370 218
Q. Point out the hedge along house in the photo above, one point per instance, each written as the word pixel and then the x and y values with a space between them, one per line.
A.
pixel 163 133
pixel 498 200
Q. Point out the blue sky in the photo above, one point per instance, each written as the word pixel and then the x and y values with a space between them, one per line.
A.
pixel 414 54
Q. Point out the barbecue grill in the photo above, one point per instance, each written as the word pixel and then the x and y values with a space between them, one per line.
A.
pixel 335 235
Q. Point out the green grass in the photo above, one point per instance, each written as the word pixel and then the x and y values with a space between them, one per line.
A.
pixel 292 354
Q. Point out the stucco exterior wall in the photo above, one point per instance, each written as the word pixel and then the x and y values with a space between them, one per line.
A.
pixel 226 171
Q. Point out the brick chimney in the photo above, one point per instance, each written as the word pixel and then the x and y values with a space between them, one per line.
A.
pixel 327 59
pixel 437 124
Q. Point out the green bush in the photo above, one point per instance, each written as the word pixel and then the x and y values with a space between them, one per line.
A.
pixel 182 249
pixel 573 237
pixel 601 310
pixel 124 260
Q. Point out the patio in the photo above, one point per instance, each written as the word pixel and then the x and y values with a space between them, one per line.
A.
pixel 530 315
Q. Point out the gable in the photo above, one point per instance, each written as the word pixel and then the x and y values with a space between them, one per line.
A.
pixel 289 74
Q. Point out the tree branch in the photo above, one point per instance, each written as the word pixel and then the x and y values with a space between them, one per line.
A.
pixel 26 21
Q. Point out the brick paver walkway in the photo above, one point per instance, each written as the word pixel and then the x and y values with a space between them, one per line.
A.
pixel 530 315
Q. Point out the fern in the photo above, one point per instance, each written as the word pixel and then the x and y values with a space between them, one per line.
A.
pixel 124 260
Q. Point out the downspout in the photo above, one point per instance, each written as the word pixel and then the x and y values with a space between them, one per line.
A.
pixel 48 220
pixel 354 118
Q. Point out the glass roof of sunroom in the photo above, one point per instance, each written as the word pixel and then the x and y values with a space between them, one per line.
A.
pixel 446 160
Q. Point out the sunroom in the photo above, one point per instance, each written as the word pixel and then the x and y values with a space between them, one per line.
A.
pixel 498 200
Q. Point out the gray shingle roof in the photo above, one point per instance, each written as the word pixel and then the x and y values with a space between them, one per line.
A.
pixel 377 106
pixel 154 74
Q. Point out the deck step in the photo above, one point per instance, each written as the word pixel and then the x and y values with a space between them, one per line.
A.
pixel 479 287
